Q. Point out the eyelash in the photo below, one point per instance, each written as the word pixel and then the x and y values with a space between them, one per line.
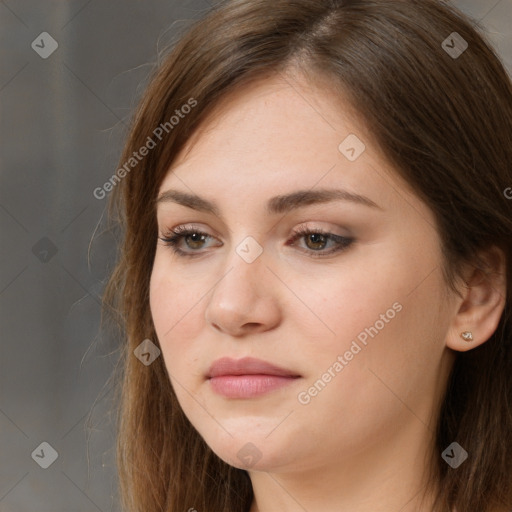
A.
pixel 173 238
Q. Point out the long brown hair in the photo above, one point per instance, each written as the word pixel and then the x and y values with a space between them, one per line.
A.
pixel 443 120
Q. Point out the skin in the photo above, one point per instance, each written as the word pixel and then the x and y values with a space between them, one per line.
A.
pixel 361 443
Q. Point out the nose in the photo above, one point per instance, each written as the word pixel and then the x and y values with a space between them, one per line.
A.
pixel 245 299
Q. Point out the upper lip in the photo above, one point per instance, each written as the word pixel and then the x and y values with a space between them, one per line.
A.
pixel 246 366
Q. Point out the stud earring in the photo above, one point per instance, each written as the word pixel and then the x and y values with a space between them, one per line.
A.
pixel 467 336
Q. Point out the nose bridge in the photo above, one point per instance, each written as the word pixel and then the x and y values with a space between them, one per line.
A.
pixel 249 250
pixel 245 264
pixel 243 296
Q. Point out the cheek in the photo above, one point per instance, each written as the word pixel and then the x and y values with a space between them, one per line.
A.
pixel 383 314
pixel 176 311
pixel 390 339
pixel 345 308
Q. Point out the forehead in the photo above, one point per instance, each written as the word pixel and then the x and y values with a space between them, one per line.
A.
pixel 280 134
pixel 274 114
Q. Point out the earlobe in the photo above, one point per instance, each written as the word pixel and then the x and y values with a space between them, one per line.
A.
pixel 482 303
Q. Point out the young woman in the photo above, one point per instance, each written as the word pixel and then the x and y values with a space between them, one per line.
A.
pixel 315 280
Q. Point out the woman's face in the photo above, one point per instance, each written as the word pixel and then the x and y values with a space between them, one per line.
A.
pixel 354 313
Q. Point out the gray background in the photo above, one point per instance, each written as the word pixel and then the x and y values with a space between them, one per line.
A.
pixel 63 120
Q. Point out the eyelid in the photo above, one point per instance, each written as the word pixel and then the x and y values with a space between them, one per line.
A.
pixel 341 243
pixel 306 225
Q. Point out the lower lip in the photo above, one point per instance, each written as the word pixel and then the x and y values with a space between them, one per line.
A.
pixel 248 386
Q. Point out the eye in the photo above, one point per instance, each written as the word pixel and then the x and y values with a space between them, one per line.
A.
pixel 194 239
pixel 316 240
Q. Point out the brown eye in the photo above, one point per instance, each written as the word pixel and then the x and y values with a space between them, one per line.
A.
pixel 196 240
pixel 317 240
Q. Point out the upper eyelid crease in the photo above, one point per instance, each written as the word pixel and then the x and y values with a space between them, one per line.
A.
pixel 275 205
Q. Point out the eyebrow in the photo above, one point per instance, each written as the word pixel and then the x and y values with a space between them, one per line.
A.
pixel 275 205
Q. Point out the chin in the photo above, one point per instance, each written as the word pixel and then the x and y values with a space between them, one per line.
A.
pixel 249 450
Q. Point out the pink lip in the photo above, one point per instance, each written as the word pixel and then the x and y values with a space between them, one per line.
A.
pixel 247 377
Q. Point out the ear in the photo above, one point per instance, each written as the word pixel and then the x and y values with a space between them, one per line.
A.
pixel 482 301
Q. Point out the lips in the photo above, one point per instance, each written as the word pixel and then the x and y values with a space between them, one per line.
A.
pixel 247 378
pixel 247 366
